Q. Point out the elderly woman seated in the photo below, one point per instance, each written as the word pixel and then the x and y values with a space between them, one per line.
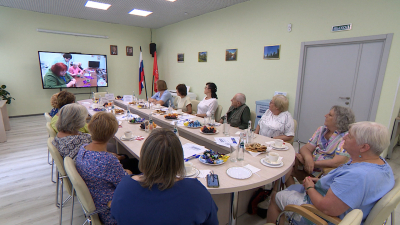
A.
pixel 100 169
pixel 69 139
pixel 161 195
pixel 358 184
pixel 65 98
pixel 277 122
pixel 324 149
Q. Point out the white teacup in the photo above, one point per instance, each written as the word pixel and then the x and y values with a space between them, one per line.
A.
pixel 278 143
pixel 158 105
pixel 273 156
pixel 128 134
pixel 188 167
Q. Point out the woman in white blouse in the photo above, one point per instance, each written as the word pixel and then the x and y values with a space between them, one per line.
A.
pixel 182 101
pixel 277 122
pixel 209 104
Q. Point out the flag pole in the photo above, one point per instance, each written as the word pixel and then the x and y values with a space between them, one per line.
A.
pixel 144 77
pixel 152 86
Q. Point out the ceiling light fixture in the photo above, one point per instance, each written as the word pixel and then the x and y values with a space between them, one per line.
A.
pixel 97 5
pixel 139 12
pixel 171 0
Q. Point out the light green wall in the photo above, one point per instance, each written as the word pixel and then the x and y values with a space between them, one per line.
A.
pixel 20 42
pixel 251 25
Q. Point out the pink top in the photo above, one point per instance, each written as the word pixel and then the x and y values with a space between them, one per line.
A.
pixel 74 71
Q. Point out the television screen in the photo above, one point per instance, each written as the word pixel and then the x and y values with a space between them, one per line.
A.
pixel 72 70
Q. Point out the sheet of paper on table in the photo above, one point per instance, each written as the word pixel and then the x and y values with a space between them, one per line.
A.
pixel 227 141
pixel 192 149
pixel 124 117
pixel 180 123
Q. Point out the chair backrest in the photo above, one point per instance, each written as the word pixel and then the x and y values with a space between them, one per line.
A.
pixel 218 113
pixel 98 95
pixel 58 160
pixel 81 189
pixel 382 209
pixel 253 116
pixel 50 130
pixel 295 127
pixel 47 116
pixel 354 217
pixel 194 105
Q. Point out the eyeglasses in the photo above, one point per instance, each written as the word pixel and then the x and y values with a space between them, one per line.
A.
pixel 205 87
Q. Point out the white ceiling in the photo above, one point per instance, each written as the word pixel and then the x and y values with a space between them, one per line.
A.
pixel 164 12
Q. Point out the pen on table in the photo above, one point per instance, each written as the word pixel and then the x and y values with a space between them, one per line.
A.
pixel 234 141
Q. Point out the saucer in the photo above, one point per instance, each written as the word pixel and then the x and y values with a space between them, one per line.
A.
pixel 263 161
pixel 272 163
pixel 195 172
pixel 127 139
pixel 283 148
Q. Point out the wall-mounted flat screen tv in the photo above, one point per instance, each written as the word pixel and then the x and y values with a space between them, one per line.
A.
pixel 72 70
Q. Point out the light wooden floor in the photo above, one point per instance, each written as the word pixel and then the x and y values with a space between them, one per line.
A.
pixel 27 196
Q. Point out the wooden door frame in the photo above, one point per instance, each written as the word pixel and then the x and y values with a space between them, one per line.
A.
pixel 387 41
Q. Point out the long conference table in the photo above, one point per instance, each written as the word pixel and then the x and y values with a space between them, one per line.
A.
pixel 227 195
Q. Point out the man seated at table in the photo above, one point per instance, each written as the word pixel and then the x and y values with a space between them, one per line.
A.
pixel 239 113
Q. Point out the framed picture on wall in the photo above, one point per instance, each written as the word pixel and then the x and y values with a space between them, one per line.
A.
pixel 181 57
pixel 113 50
pixel 202 56
pixel 129 51
pixel 272 51
pixel 231 54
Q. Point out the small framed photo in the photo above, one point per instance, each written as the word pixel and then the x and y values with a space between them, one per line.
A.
pixel 129 51
pixel 231 54
pixel 181 57
pixel 113 50
pixel 202 56
pixel 272 51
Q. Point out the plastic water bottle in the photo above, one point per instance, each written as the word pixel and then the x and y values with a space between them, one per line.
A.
pixel 151 122
pixel 226 125
pixel 249 133
pixel 134 97
pixel 176 128
pixel 169 107
pixel 128 113
pixel 240 152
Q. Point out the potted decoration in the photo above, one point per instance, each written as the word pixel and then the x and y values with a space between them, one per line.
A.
pixel 5 94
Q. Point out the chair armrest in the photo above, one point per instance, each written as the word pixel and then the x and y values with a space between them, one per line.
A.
pixel 306 214
pixel 313 209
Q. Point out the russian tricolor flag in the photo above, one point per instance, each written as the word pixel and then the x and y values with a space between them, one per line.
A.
pixel 141 72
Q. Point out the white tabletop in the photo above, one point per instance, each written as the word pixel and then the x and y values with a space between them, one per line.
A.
pixel 227 184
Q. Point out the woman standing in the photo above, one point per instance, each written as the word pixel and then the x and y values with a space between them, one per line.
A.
pixel 209 104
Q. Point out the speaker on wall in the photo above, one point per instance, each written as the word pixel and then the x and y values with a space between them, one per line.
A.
pixel 152 48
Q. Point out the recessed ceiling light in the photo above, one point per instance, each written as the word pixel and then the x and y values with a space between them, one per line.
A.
pixel 97 5
pixel 139 12
pixel 171 0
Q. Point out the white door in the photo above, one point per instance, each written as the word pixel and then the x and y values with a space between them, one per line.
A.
pixel 345 74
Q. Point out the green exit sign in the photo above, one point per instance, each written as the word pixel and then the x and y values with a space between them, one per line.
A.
pixel 341 27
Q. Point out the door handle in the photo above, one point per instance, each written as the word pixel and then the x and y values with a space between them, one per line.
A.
pixel 346 98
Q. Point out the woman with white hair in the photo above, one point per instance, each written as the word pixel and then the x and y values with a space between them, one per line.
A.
pixel 277 122
pixel 358 184
pixel 69 139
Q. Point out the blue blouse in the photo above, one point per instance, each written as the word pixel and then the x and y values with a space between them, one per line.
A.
pixel 165 97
